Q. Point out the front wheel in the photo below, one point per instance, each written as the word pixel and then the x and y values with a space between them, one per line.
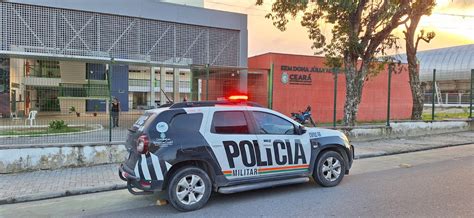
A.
pixel 330 169
pixel 189 189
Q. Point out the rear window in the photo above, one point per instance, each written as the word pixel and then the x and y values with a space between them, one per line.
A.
pixel 141 120
pixel 187 122
pixel 229 122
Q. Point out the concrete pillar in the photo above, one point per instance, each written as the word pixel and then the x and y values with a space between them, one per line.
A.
pixel 176 97
pixel 199 97
pixel 243 81
pixel 107 104
pixel 162 85
pixel 152 87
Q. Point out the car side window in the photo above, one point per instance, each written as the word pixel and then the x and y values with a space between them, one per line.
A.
pixel 272 124
pixel 229 122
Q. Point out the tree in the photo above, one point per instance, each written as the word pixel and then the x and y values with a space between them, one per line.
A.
pixel 361 30
pixel 419 9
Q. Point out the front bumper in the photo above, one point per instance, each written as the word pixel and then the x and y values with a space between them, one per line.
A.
pixel 350 158
pixel 352 154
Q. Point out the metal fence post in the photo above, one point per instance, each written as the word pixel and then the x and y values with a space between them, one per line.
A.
pixel 334 119
pixel 109 80
pixel 389 92
pixel 472 95
pixel 207 82
pixel 433 87
pixel 270 86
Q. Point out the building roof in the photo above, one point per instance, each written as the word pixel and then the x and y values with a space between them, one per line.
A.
pixel 452 63
pixel 150 9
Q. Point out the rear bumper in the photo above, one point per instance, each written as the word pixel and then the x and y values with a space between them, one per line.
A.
pixel 135 182
pixel 127 174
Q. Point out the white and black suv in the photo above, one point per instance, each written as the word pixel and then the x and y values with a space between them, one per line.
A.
pixel 193 148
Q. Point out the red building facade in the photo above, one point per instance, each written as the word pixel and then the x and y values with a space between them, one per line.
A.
pixel 299 81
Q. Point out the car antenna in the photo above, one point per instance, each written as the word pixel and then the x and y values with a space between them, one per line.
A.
pixel 166 96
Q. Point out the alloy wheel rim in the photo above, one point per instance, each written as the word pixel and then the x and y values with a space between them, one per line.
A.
pixel 190 189
pixel 331 169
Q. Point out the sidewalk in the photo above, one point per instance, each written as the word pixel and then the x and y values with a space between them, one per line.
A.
pixel 46 184
pixel 410 144
pixel 72 181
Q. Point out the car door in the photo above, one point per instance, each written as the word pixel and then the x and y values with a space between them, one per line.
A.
pixel 232 140
pixel 283 151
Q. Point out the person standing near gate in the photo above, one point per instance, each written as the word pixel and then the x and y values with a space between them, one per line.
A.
pixel 115 110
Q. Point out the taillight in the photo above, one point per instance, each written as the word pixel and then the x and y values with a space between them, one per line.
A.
pixel 143 143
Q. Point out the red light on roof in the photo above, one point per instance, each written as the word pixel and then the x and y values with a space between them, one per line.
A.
pixel 238 97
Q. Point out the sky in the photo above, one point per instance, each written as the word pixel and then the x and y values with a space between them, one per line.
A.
pixel 452 20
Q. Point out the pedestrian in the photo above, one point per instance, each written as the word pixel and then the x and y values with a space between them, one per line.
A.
pixel 115 110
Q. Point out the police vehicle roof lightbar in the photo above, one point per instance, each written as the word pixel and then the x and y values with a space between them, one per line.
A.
pixel 238 97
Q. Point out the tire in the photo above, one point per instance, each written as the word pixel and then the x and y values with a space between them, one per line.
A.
pixel 182 182
pixel 330 169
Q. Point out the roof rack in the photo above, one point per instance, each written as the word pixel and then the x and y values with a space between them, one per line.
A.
pixel 213 103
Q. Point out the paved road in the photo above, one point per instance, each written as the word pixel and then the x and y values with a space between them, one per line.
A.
pixel 430 183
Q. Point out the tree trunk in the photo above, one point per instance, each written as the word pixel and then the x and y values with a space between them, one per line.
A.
pixel 354 85
pixel 417 91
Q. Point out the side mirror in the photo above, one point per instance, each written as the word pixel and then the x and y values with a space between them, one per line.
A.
pixel 300 130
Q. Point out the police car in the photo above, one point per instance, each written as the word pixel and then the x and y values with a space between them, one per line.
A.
pixel 193 148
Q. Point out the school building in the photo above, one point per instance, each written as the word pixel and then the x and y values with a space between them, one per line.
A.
pixel 296 81
pixel 55 55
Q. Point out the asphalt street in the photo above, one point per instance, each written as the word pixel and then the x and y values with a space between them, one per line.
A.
pixel 435 183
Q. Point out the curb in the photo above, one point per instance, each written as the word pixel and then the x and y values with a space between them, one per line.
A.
pixel 44 196
pixel 379 154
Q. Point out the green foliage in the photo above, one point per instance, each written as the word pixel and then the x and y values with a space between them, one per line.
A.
pixel 57 125
pixel 72 109
pixel 360 29
pixel 419 8
pixel 445 115
pixel 40 131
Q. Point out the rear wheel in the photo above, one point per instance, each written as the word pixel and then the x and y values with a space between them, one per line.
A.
pixel 189 189
pixel 330 169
